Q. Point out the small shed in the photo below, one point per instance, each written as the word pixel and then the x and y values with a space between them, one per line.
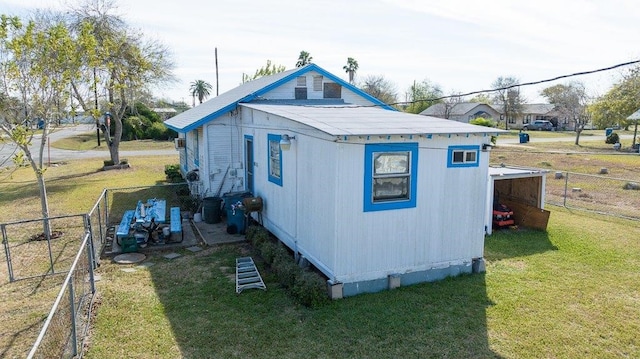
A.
pixel 522 190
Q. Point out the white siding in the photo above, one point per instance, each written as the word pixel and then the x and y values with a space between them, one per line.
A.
pixel 223 172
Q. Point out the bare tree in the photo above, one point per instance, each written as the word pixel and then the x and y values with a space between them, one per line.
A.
pixel 507 96
pixel 571 101
pixel 380 88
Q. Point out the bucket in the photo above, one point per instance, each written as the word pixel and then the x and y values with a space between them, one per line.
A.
pixel 166 231
pixel 197 217
pixel 212 209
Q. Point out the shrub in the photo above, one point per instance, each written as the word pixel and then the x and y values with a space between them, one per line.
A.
pixel 133 128
pixel 268 251
pixel 285 268
pixel 310 289
pixel 261 235
pixel 613 138
pixel 173 173
pixel 157 131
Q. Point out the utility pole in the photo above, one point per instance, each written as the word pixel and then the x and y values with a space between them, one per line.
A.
pixel 217 82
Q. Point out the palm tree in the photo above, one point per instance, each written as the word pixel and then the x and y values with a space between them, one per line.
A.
pixel 201 89
pixel 304 59
pixel 351 67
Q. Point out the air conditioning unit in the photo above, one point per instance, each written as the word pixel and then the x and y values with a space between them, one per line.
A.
pixel 180 142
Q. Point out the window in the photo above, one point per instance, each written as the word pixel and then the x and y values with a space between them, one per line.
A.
pixel 317 83
pixel 332 90
pixel 463 156
pixel 301 81
pixel 512 119
pixel 527 119
pixel 390 178
pixel 301 93
pixel 275 159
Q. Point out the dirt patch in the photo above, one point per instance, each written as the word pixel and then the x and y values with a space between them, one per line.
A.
pixel 43 237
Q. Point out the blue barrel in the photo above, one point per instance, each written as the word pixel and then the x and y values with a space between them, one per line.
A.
pixel 524 137
pixel 608 131
pixel 235 220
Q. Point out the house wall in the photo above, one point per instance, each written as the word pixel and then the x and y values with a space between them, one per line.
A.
pixel 224 167
pixel 445 229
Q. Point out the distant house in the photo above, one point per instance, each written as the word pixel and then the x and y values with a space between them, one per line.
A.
pixel 462 111
pixel 372 197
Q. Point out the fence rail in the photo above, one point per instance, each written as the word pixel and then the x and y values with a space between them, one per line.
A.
pixel 594 193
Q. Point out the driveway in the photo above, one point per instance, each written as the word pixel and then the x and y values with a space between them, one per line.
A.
pixel 51 154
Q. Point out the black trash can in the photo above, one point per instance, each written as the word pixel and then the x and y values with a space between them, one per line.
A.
pixel 212 209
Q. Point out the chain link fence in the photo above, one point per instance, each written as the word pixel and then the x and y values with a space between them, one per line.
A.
pixel 596 193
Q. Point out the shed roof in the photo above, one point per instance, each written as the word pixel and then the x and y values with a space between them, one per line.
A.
pixel 634 116
pixel 249 91
pixel 368 120
pixel 515 172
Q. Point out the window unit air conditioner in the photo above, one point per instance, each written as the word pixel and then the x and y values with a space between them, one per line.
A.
pixel 180 142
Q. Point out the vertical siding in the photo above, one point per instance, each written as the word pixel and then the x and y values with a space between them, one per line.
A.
pixel 224 167
pixel 446 227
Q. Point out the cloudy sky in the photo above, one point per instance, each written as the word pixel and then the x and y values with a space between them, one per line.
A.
pixel 461 45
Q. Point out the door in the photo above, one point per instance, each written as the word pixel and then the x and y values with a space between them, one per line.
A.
pixel 248 160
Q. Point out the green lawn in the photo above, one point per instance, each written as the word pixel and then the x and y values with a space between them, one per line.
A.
pixel 570 292
pixel 88 141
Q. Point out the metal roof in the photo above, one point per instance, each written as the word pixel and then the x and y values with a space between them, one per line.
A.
pixel 362 120
pixel 634 116
pixel 249 91
pixel 515 172
pixel 456 109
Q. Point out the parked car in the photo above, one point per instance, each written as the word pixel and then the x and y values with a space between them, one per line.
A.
pixel 540 125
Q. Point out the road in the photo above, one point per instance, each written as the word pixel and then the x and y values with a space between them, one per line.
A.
pixel 51 154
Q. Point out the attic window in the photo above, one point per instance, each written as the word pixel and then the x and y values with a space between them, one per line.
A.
pixel 301 81
pixel 390 176
pixel 332 90
pixel 463 156
pixel 317 83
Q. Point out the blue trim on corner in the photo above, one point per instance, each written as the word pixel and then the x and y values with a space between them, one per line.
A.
pixel 369 150
pixel 272 179
pixel 452 149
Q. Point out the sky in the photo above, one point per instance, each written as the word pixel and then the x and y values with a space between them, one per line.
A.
pixel 460 45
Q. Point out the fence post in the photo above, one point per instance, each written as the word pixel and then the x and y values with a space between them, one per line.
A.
pixel 91 255
pixel 72 310
pixel 566 186
pixel 7 251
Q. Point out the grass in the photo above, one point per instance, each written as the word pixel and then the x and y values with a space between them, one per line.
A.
pixel 570 292
pixel 88 141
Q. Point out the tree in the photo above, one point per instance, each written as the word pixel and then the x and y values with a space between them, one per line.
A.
pixel 421 95
pixel 351 67
pixel 380 88
pixel 200 89
pixel 508 98
pixel 481 98
pixel 619 102
pixel 304 59
pixel 267 70
pixel 38 61
pixel 127 65
pixel 570 100
pixel 449 104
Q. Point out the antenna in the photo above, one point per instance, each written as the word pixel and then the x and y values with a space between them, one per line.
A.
pixel 217 82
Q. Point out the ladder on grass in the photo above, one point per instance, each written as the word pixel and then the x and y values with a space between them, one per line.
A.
pixel 247 275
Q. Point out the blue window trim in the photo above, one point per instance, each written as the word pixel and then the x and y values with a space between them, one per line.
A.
pixel 452 149
pixel 246 165
pixel 369 151
pixel 196 149
pixel 273 179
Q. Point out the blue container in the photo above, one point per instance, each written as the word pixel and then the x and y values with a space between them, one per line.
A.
pixel 235 219
pixel 524 137
pixel 608 131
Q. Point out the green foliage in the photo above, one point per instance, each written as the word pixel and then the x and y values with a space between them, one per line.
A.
pixel 303 59
pixel 421 95
pixel 310 289
pixel 612 138
pixel 618 103
pixel 285 268
pixel 200 89
pixel 486 122
pixel 173 173
pixel 134 127
pixel 268 251
pixel 268 69
pixel 157 131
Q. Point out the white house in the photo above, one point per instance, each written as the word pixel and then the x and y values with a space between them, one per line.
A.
pixel 462 111
pixel 372 197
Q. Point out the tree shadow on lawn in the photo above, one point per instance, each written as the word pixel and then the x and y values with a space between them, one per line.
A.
pixel 208 319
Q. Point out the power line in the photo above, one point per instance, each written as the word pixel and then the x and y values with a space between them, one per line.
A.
pixel 522 84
